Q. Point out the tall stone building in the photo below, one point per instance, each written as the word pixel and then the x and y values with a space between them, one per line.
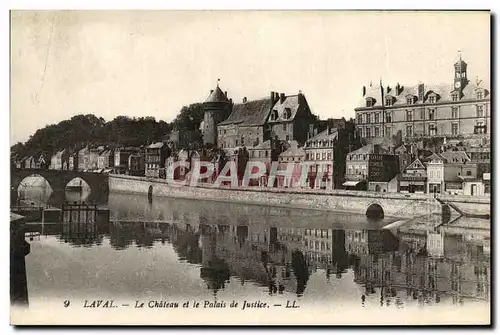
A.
pixel 216 108
pixel 461 109
pixel 278 117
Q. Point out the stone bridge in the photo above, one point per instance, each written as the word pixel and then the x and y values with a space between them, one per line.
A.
pixel 59 179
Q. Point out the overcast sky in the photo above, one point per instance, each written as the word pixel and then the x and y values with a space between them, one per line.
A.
pixel 151 63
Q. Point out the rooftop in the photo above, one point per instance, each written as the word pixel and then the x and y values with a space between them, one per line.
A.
pixel 250 113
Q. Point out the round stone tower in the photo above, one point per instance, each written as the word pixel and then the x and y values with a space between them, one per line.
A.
pixel 216 109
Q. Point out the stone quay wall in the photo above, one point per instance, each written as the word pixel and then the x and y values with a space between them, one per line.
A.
pixel 393 204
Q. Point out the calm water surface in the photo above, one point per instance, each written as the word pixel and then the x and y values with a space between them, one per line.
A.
pixel 179 249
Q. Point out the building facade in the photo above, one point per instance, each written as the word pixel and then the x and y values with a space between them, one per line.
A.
pixel 371 168
pixel 154 160
pixel 290 117
pixel 461 109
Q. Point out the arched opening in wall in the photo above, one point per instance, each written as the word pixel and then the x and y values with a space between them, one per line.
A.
pixel 77 190
pixel 375 211
pixel 33 190
pixel 377 188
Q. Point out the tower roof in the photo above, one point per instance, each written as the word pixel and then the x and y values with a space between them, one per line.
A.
pixel 217 96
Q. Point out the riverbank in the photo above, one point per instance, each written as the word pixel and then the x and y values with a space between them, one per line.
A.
pixel 392 204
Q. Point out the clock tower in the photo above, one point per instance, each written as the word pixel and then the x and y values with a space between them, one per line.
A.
pixel 460 80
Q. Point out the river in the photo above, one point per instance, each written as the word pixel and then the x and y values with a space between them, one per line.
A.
pixel 186 249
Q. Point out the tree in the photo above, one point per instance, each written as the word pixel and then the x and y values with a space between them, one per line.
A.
pixel 189 118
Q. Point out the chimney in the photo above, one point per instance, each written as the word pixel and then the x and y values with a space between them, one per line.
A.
pixel 245 100
pixel 272 97
pixel 225 93
pixel 364 90
pixel 388 89
pixel 211 91
pixel 282 97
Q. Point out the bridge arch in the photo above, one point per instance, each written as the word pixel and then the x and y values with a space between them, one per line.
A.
pixel 78 181
pixel 375 211
pixel 22 181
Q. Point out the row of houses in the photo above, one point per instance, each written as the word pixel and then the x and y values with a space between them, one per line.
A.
pixel 100 159
pixel 335 160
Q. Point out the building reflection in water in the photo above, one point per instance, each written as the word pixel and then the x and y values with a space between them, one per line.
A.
pixel 391 266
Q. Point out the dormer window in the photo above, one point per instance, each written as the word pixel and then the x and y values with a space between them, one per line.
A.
pixel 370 102
pixel 454 96
pixel 409 100
pixel 287 114
pixel 274 115
pixel 479 94
pixel 432 99
pixel 388 101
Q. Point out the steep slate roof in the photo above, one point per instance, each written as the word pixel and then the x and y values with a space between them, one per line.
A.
pixel 155 145
pixel 293 151
pixel 455 157
pixel 415 165
pixel 291 102
pixel 324 135
pixel 251 113
pixel 443 90
pixel 263 145
pixel 217 96
pixel 368 149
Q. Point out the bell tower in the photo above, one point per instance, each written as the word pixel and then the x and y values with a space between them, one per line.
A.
pixel 460 80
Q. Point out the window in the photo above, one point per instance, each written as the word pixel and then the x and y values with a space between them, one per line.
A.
pixel 317 155
pixel 377 132
pixel 288 137
pixel 432 113
pixel 360 118
pixel 287 114
pixel 432 99
pixel 454 97
pixel 469 173
pixel 284 126
pixel 409 115
pixel 274 115
pixel 236 142
pixel 368 118
pixel 432 129
pixel 224 131
pixel 479 95
pixel 267 153
pixel 388 101
pixel 480 128
pixel 377 115
pixel 409 131
pixel 323 156
pixel 479 111
pixel 388 131
pixel 369 102
pixel 454 128
pixel 454 112
pixel 409 100
pixel 388 117
pixel 368 132
pixel 329 156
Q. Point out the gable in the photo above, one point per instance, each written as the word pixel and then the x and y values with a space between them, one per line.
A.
pixel 416 165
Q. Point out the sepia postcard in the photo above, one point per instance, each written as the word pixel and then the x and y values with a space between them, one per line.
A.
pixel 250 167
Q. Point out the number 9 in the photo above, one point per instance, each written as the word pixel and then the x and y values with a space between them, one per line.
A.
pixel 66 303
